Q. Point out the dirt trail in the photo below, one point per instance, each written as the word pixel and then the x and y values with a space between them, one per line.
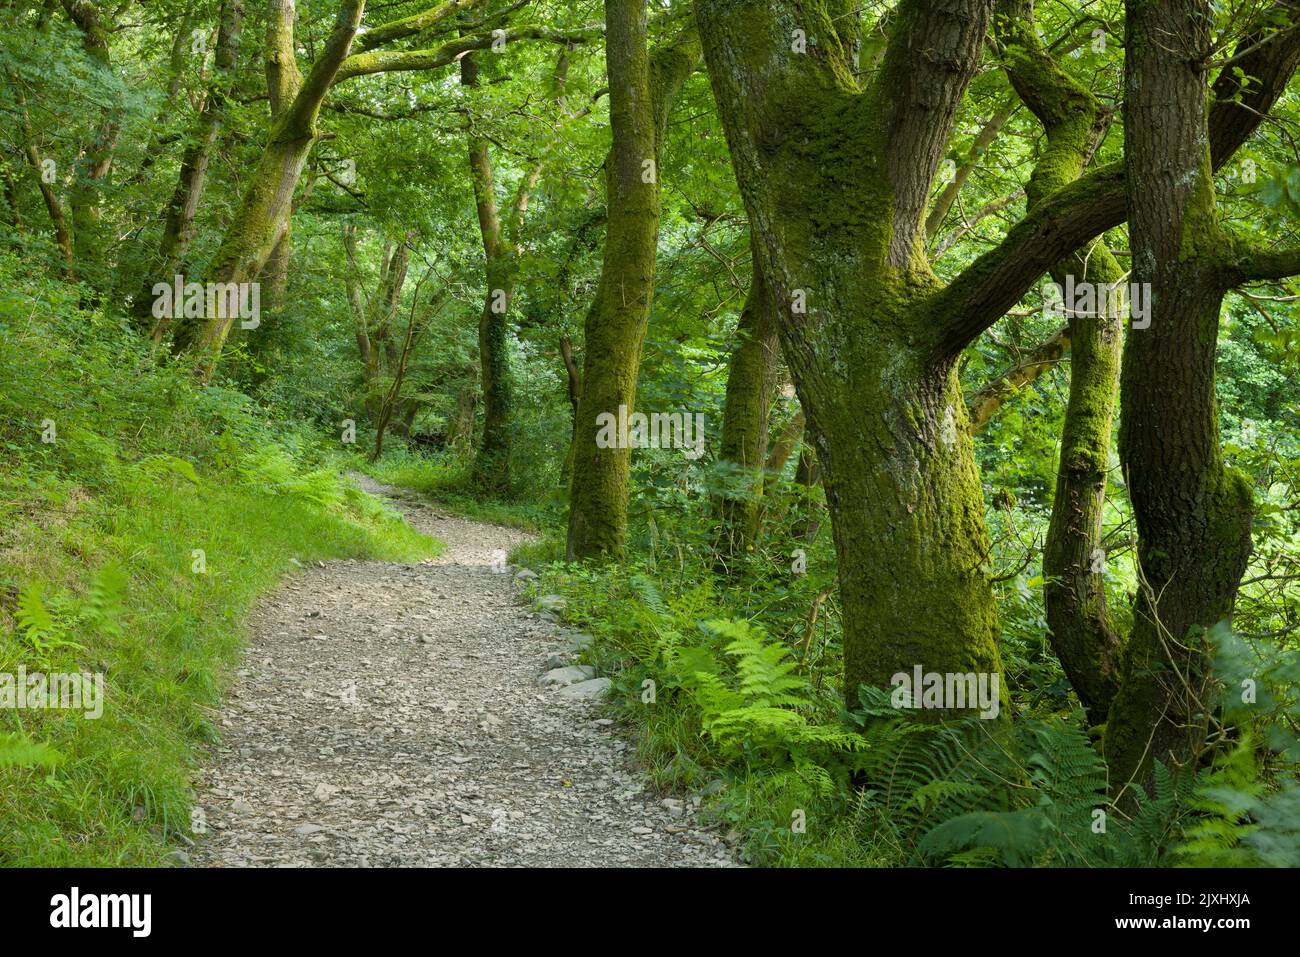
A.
pixel 391 715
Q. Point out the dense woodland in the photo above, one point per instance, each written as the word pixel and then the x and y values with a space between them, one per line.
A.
pixel 818 344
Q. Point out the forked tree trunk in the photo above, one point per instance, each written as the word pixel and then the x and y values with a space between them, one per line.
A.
pixel 252 235
pixel 1193 514
pixel 835 178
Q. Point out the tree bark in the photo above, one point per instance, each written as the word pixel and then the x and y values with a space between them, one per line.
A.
pixel 1193 514
pixel 641 93
pixel 1073 561
pixel 835 177
pixel 751 378
pixel 91 169
pixel 178 226
pixel 255 230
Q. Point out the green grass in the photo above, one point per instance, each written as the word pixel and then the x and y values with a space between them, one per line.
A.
pixel 124 787
pixel 99 528
pixel 447 481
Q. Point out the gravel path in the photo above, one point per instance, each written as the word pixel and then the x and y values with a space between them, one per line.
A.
pixel 392 715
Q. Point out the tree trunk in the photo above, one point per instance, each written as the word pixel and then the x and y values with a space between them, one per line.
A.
pixel 1073 561
pixel 1193 514
pixel 91 169
pixel 178 227
pixel 253 233
pixel 835 178
pixel 751 377
pixel 614 330
pixel 460 428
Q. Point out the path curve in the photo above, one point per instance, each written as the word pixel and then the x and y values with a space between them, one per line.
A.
pixel 391 715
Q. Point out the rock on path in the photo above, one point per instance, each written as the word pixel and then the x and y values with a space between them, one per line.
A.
pixel 392 715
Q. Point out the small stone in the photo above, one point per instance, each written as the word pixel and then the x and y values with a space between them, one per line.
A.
pixel 586 690
pixel 324 791
pixel 576 641
pixel 553 603
pixel 563 677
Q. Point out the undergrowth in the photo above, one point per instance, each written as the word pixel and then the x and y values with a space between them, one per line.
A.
pixel 754 724
pixel 140 517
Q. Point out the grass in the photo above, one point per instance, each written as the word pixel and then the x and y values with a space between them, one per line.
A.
pixel 142 517
pixel 448 482
pixel 123 791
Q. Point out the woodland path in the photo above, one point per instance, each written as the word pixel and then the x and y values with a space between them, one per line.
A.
pixel 391 715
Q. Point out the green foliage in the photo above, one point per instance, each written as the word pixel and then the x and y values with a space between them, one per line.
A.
pixel 19 751
pixel 96 534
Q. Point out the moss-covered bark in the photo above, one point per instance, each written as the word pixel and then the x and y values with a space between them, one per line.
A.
pixel 1193 514
pixel 751 377
pixel 178 223
pixel 256 227
pixel 835 178
pixel 641 93
pixel 491 467
pixel 1073 561
pixel 92 167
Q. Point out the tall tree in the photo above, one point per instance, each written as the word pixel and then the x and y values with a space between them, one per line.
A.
pixel 178 226
pixel 1193 513
pixel 641 91
pixel 1074 121
pixel 835 171
pixel 835 167
pixel 261 220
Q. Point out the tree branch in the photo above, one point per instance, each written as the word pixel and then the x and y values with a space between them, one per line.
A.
pixel 380 61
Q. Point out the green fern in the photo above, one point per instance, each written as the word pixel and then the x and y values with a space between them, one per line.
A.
pixel 759 707
pixel 102 610
pixel 20 751
pixel 1225 799
pixel 43 632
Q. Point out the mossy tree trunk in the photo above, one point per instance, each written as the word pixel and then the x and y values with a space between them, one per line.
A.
pixel 183 207
pixel 491 468
pixel 295 104
pixel 835 165
pixel 53 205
pixel 1193 514
pixel 641 93
pixel 835 177
pixel 1073 560
pixel 751 378
pixel 93 166
pixel 259 223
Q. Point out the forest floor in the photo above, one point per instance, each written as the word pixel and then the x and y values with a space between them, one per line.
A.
pixel 392 715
